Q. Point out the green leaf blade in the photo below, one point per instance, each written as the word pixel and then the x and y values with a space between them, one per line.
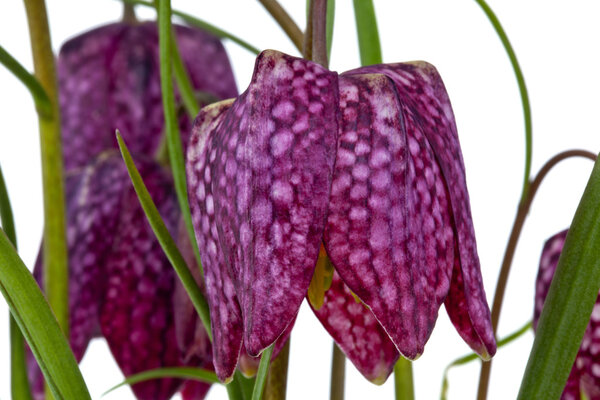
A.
pixel 570 301
pixel 164 238
pixel 368 35
pixel 39 326
pixel 197 374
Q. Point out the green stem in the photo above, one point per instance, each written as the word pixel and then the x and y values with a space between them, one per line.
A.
pixel 285 22
pixel 40 98
pixel 474 356
pixel 509 253
pixel 403 380
pixel 338 374
pixel 276 385
pixel 182 78
pixel 368 35
pixel 261 375
pixel 171 123
pixel 522 90
pixel 56 274
pixel 201 24
pixel 19 383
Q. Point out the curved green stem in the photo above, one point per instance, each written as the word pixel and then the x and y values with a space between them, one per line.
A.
pixel 474 356
pixel 509 253
pixel 522 90
pixel 286 22
pixel 40 98
pixel 368 35
pixel 403 380
pixel 201 24
pixel 56 274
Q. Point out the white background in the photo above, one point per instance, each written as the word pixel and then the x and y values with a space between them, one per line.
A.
pixel 556 42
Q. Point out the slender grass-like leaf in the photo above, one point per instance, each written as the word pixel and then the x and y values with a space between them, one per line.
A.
pixel 174 145
pixel 261 375
pixel 39 326
pixel 522 90
pixel 193 21
pixel 184 84
pixel 19 383
pixel 570 301
pixel 197 374
pixel 368 35
pixel 164 238
pixel 40 98
pixel 473 356
pixel 330 22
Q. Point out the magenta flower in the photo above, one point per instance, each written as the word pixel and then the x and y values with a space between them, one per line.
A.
pixel 121 285
pixel 109 79
pixel 585 374
pixel 368 163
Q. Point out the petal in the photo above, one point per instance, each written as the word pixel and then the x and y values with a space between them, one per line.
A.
pixel 388 231
pixel 584 362
pixel 137 315
pixel 357 332
pixel 266 184
pixel 225 314
pixel 249 365
pixel 109 78
pixel 421 88
pixel 92 209
pixel 194 390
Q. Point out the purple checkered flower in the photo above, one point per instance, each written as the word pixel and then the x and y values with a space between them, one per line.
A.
pixel 366 162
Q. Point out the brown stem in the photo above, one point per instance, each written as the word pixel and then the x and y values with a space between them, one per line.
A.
pixel 276 384
pixel 509 253
pixel 129 14
pixel 285 22
pixel 308 33
pixel 338 374
pixel 319 32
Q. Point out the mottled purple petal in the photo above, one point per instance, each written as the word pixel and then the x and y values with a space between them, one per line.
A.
pixel 248 365
pixel 421 88
pixel 584 360
pixel 225 314
pixel 109 79
pixel 137 314
pixel 265 185
pixel 357 332
pixel 389 233
pixel 194 390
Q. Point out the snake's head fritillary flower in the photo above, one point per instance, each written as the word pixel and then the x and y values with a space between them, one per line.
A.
pixel 121 284
pixel 109 79
pixel 366 162
pixel 585 374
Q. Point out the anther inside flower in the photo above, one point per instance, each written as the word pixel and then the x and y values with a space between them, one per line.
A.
pixel 584 376
pixel 366 162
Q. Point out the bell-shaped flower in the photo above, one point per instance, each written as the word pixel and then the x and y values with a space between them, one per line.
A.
pixel 585 374
pixel 366 162
pixel 109 78
pixel 121 284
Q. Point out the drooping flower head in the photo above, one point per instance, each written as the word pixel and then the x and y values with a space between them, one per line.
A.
pixel 584 376
pixel 121 285
pixel 109 79
pixel 367 163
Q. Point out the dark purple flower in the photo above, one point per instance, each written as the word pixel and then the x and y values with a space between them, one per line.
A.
pixel 368 163
pixel 109 79
pixel 585 374
pixel 121 285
